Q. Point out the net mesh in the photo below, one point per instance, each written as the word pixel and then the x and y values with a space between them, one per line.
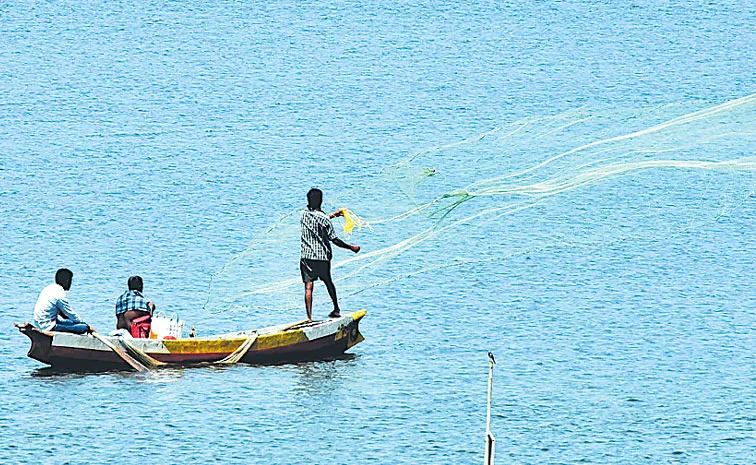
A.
pixel 586 178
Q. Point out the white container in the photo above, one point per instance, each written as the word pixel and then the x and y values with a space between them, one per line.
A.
pixel 163 326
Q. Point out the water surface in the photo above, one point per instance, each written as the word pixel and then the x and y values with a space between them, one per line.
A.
pixel 160 138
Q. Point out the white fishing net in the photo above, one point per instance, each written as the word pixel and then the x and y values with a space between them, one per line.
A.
pixel 584 179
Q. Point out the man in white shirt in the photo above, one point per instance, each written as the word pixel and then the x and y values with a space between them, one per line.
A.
pixel 53 312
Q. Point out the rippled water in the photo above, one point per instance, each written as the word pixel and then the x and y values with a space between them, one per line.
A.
pixel 160 138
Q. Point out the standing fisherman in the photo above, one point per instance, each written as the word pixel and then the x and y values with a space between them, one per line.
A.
pixel 315 262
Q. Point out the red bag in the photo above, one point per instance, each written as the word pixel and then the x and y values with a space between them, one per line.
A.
pixel 140 327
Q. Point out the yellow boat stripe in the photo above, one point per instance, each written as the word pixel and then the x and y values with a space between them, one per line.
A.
pixel 216 346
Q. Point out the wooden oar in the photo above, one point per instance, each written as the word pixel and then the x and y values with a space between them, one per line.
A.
pixel 121 353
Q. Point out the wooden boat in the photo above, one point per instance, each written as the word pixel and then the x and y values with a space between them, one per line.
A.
pixel 274 344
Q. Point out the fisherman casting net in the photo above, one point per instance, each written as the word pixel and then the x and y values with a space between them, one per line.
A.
pixel 584 179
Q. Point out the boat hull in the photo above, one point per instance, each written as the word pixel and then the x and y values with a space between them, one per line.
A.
pixel 277 344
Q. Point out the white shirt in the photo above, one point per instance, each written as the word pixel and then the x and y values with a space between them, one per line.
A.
pixel 52 302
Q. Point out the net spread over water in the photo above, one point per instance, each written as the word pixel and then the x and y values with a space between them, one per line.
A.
pixel 584 179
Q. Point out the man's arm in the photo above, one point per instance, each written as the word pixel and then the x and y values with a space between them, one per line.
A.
pixel 339 212
pixel 344 245
pixel 65 309
pixel 331 234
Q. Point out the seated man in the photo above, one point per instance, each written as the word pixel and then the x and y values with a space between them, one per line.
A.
pixel 132 305
pixel 53 312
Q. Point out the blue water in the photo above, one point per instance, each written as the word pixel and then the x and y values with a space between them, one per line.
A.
pixel 160 138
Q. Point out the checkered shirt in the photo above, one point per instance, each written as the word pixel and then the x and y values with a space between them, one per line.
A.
pixel 131 300
pixel 317 234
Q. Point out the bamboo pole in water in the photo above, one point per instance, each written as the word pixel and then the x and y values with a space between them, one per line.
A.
pixel 490 440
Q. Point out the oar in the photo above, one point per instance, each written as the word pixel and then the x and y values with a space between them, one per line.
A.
pixel 126 357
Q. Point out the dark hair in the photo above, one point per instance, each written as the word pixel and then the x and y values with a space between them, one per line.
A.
pixel 136 283
pixel 63 277
pixel 314 199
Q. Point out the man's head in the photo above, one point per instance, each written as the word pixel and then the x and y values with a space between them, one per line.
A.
pixel 314 199
pixel 135 283
pixel 63 277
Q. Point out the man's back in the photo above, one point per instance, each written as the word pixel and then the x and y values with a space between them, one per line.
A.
pixel 132 300
pixel 317 234
pixel 46 309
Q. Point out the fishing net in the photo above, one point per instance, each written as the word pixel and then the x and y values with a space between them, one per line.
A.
pixel 584 179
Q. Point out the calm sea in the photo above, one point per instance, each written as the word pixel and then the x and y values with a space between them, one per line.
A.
pixel 161 138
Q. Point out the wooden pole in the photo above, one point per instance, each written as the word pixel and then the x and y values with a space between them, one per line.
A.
pixel 490 440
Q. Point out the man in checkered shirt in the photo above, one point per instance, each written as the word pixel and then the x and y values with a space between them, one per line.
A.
pixel 315 262
pixel 132 304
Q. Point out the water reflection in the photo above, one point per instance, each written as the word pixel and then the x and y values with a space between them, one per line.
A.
pixel 312 372
pixel 165 375
pixel 324 377
pixel 168 374
pixel 71 373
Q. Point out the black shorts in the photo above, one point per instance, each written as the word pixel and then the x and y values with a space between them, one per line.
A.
pixel 312 270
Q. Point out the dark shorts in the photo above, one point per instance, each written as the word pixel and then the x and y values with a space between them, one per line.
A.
pixel 312 270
